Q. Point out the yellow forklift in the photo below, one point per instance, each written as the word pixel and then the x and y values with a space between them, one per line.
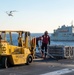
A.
pixel 16 47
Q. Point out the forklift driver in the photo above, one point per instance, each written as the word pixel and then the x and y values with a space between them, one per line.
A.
pixel 19 41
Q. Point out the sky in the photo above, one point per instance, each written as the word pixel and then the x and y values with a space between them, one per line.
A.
pixel 36 16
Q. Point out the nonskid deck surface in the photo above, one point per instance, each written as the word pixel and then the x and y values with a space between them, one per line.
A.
pixel 42 66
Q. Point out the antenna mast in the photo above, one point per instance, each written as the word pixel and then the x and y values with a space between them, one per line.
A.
pixel 72 22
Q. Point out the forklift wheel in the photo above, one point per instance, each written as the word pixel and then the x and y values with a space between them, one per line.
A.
pixel 5 62
pixel 29 59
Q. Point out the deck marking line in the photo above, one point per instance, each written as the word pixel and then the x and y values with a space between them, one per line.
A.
pixel 59 72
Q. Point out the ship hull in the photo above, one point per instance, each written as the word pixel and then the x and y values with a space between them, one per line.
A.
pixel 61 38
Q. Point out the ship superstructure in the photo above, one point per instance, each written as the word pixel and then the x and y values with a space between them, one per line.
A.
pixel 63 33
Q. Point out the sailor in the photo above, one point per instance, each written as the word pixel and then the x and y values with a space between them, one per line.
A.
pixel 45 41
pixel 19 41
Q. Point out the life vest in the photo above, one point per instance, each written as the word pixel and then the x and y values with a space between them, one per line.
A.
pixel 45 39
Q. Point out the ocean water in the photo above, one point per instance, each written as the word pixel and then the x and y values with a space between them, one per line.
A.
pixel 65 43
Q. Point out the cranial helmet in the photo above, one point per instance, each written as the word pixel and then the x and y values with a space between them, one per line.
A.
pixel 46 32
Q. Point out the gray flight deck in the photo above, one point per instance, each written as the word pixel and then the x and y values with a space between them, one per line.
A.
pixel 42 67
